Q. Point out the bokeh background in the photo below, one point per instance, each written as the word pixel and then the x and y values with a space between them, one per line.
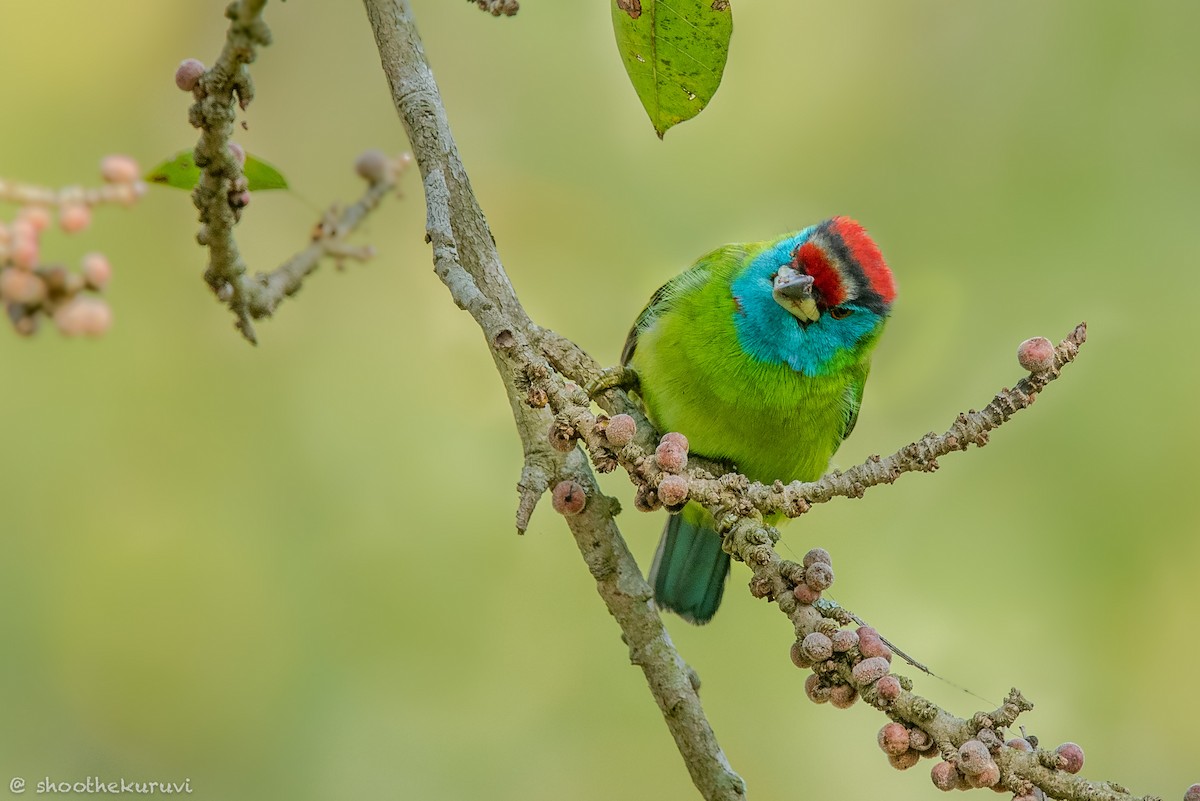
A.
pixel 291 571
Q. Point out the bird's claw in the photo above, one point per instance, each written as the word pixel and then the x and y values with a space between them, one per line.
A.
pixel 620 377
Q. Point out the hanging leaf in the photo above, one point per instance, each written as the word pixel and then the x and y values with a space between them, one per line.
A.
pixel 181 172
pixel 674 53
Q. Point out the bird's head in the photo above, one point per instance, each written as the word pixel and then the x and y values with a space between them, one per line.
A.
pixel 816 298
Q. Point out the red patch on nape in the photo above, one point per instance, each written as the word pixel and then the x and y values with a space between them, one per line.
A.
pixel 827 281
pixel 864 251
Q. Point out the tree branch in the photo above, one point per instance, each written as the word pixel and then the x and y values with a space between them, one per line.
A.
pixel 466 261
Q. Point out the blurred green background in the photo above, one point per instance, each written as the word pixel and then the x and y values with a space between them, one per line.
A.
pixel 291 571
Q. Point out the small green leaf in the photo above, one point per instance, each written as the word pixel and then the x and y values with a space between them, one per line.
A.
pixel 674 52
pixel 181 172
pixel 261 175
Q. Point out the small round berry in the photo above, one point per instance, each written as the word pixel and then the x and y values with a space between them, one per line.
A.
pixel 945 776
pixel 817 691
pixel 1193 793
pixel 568 498
pixel 22 286
pixel 888 688
pixel 1020 744
pixel 621 430
pixel 83 315
pixel 36 216
pixel 670 456
pixel 374 167
pixel 239 200
pixel 118 169
pixel 673 490
pixel 1070 757
pixel 187 75
pixel 24 254
pixel 96 270
pixel 798 657
pixel 238 152
pixel 973 757
pixel 870 670
pixel 817 555
pixel 677 439
pixel 74 217
pixel 843 640
pixel 905 760
pixel 871 644
pixel 806 594
pixel 817 646
pixel 893 738
pixel 1036 355
pixel 919 739
pixel 988 776
pixel 843 696
pixel 819 576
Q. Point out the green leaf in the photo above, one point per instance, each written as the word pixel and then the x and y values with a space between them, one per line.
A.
pixel 181 172
pixel 674 53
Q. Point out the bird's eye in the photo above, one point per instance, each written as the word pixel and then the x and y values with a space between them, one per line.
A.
pixel 840 312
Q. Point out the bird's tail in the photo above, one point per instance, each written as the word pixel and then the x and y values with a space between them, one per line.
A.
pixel 689 570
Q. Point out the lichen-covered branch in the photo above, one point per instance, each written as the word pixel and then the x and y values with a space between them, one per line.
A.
pixel 466 261
pixel 222 192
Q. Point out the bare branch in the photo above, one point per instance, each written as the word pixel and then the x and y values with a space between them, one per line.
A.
pixel 466 261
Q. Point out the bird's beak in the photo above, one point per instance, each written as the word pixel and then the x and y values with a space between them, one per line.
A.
pixel 793 290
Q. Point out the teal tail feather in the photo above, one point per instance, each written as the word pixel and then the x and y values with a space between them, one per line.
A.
pixel 689 570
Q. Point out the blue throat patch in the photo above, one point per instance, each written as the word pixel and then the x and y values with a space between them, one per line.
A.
pixel 769 333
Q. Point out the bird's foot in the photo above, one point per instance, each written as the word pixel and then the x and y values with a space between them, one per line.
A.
pixel 620 377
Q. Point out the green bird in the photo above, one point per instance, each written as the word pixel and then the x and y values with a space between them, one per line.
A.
pixel 758 354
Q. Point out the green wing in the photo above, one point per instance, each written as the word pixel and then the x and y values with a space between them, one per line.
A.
pixel 687 281
pixel 854 395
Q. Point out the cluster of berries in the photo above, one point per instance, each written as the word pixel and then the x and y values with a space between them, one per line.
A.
pixel 31 289
pixel 974 764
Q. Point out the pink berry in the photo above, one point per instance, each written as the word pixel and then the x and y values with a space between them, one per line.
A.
pixel 1193 793
pixel 670 456
pixel 22 286
pixel 798 657
pixel 973 757
pixel 621 430
pixel 1021 744
pixel 870 670
pixel 25 253
pixel 888 688
pixel 905 760
pixel 238 153
pixel 919 739
pixel 817 555
pixel 805 594
pixel 83 315
pixel 568 498
pixel 871 644
pixel 74 217
pixel 187 75
pixel 945 776
pixel 118 169
pixel 1070 757
pixel 96 270
pixel 817 691
pixel 819 576
pixel 988 776
pixel 374 167
pixel 677 439
pixel 673 490
pixel 843 696
pixel 843 640
pixel 893 738
pixel 817 646
pixel 1036 355
pixel 36 216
